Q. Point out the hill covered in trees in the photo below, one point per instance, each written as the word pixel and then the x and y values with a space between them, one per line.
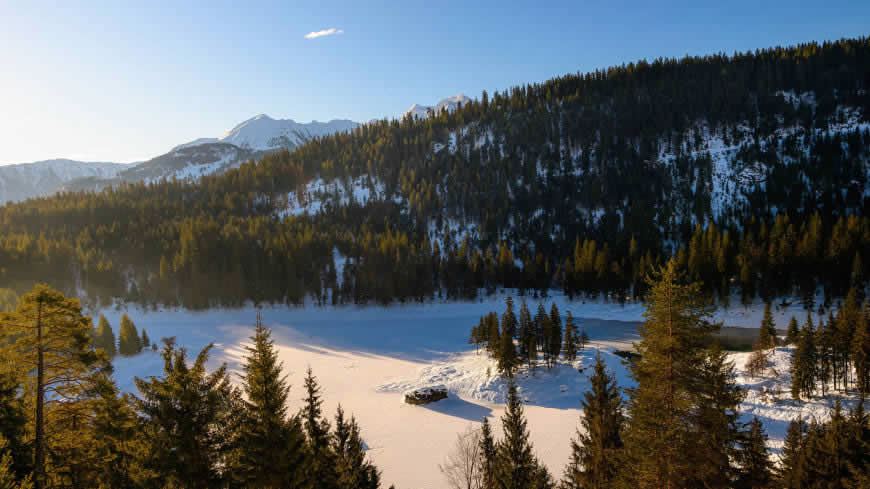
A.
pixel 751 169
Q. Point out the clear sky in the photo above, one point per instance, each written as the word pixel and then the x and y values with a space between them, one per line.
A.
pixel 114 81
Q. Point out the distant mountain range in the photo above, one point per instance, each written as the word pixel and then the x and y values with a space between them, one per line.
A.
pixel 188 161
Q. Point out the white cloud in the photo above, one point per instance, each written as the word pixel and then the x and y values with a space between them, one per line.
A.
pixel 326 32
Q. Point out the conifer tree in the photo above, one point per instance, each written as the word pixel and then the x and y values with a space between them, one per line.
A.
pixel 555 338
pixel 803 364
pixel 271 449
pixel 716 421
pixel 353 470
pixel 661 437
pixel 129 343
pixel 191 420
pixel 509 319
pixel 118 441
pixel 793 332
pixel 584 339
pixel 791 468
pixel 527 340
pixel 507 358
pixel 861 353
pixel 48 342
pixel 516 466
pixel 488 454
pixel 756 468
pixel 571 338
pixel 146 341
pixel 8 477
pixel 13 422
pixel 321 463
pixel 767 333
pixel 105 338
pixel 595 454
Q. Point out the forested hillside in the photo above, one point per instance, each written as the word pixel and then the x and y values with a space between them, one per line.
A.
pixel 751 168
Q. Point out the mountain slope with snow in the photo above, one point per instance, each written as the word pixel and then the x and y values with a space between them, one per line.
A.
pixel 263 133
pixel 26 180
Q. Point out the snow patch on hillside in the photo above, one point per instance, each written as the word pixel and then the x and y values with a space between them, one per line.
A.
pixel 318 194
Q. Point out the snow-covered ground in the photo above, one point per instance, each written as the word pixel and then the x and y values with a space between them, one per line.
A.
pixel 366 357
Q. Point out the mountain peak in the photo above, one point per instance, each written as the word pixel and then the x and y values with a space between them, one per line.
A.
pixel 449 103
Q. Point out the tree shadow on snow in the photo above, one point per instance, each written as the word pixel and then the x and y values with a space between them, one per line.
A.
pixel 459 408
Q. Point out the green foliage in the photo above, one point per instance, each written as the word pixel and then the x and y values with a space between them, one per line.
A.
pixel 756 468
pixel 129 342
pixel 322 465
pixel 190 417
pixel 670 402
pixel 516 466
pixel 596 453
pixel 767 332
pixel 104 337
pixel 351 465
pixel 47 340
pixel 571 338
pixel 793 332
pixel 271 451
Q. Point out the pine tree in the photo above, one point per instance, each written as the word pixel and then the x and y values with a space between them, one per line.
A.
pixel 791 468
pixel 527 340
pixel 13 423
pixel 105 338
pixel 767 333
pixel 146 341
pixel 715 419
pixel 544 331
pixel 191 420
pixel 49 344
pixel 803 364
pixel 488 454
pixel 129 343
pixel 507 358
pixel 571 338
pixel 271 449
pixel 509 319
pixel 661 438
pixel 9 479
pixel 515 462
pixel 584 339
pixel 354 471
pixel 118 441
pixel 555 338
pixel 861 353
pixel 321 463
pixel 595 453
pixel 793 332
pixel 756 469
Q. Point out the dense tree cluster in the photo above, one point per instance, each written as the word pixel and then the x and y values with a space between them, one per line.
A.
pixel 513 341
pixel 63 423
pixel 556 184
pixel 833 355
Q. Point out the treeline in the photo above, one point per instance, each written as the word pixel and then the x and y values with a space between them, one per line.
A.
pixel 63 423
pixel 513 341
pixel 679 427
pixel 560 184
pixel 835 355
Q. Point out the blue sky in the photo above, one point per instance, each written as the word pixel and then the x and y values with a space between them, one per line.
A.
pixel 114 81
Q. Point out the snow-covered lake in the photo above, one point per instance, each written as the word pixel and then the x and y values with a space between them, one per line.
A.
pixel 364 357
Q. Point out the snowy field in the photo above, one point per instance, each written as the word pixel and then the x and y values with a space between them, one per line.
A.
pixel 365 357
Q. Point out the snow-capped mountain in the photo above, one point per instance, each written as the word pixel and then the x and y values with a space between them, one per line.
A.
pixel 184 163
pixel 26 180
pixel 449 103
pixel 263 133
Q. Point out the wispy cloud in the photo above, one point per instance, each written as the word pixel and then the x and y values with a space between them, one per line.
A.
pixel 326 32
